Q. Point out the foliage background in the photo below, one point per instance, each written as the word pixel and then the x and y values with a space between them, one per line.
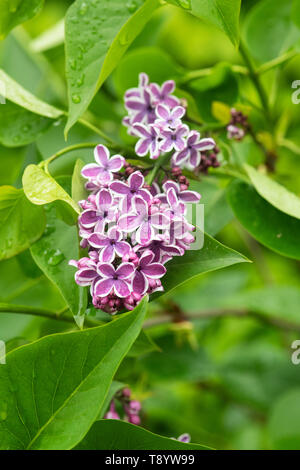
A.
pixel 224 374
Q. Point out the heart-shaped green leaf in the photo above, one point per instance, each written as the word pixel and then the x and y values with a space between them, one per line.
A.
pixel 53 390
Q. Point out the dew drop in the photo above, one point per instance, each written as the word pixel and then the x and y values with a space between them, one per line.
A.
pixel 55 257
pixel 83 9
pixel 131 6
pixel 76 98
pixel 186 4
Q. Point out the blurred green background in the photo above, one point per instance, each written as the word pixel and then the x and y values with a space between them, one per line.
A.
pixel 225 374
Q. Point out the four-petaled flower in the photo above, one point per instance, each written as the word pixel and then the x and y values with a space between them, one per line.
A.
pixel 143 220
pixel 102 213
pixel 169 118
pixel 173 139
pixel 133 188
pixel 190 154
pixel 148 141
pixel 110 244
pixel 116 280
pixel 146 270
pixel 141 108
pixel 163 94
pixel 185 196
pixel 104 167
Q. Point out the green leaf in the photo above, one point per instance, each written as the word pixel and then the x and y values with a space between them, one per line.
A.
pixel 90 60
pixel 19 126
pixel 54 389
pixel 109 434
pixel 295 15
pixel 284 423
pixel 40 188
pixel 52 253
pixel 18 95
pixel 78 182
pixel 114 388
pixel 21 223
pixel 222 13
pixel 213 255
pixel 15 12
pixel 264 222
pixel 274 193
pixel 269 30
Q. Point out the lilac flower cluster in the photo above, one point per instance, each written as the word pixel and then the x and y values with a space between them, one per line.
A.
pixel 130 408
pixel 238 125
pixel 155 118
pixel 131 230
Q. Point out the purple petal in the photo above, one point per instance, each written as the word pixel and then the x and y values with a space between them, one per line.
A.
pixel 181 156
pixel 189 196
pixel 125 270
pixel 135 105
pixel 127 223
pixel 103 287
pixel 205 144
pixel 107 255
pixel 145 233
pixel 97 240
pixel 193 137
pixel 106 269
pixel 168 87
pixel 159 220
pixel 84 277
pixel 178 112
pixel 139 283
pixel 154 270
pixel 90 171
pixel 146 258
pixel 136 180
pixel 142 147
pixel 122 248
pixel 195 158
pixel 171 184
pixel 121 288
pixel 140 206
pixel 103 199
pixel 101 155
pixel 142 130
pixel 119 187
pixel 162 111
pixel 88 218
pixel 171 197
pixel 116 163
pixel 114 234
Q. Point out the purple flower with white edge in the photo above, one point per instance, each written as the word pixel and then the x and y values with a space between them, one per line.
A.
pixel 173 139
pixel 176 209
pixel 103 212
pixel 117 280
pixel 87 271
pixel 161 248
pixel 146 270
pixel 186 438
pixel 185 196
pixel 133 188
pixel 163 94
pixel 141 109
pixel 148 141
pixel 191 153
pixel 169 118
pixel 110 245
pixel 143 218
pixel 104 166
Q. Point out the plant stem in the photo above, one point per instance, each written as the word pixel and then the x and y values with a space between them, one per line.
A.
pixel 40 312
pixel 58 154
pixel 255 79
pixel 275 62
pixel 158 164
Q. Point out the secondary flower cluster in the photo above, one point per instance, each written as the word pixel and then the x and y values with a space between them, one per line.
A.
pixel 155 117
pixel 238 126
pixel 131 230
pixel 130 409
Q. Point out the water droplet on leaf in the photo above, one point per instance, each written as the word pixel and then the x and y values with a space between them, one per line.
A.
pixel 76 98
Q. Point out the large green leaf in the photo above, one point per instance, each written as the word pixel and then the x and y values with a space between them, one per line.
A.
pixel 269 30
pixel 274 193
pixel 52 253
pixel 271 227
pixel 53 390
pixel 14 12
pixel 222 13
pixel 112 434
pixel 98 33
pixel 213 255
pixel 19 126
pixel 41 188
pixel 21 223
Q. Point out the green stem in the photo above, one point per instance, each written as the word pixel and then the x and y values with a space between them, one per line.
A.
pixel 63 151
pixel 194 74
pixel 40 312
pixel 275 62
pixel 255 79
pixel 158 164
